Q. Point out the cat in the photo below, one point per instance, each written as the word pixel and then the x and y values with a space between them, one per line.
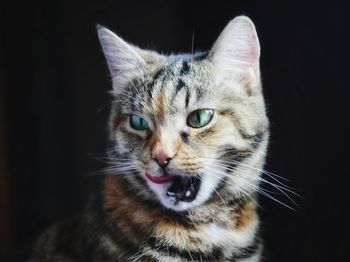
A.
pixel 189 135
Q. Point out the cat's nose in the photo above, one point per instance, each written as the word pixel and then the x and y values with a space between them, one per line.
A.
pixel 162 159
pixel 162 164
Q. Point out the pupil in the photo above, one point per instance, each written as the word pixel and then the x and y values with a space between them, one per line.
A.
pixel 141 122
pixel 198 116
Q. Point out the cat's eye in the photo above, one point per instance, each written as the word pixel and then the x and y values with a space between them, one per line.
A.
pixel 138 123
pixel 200 118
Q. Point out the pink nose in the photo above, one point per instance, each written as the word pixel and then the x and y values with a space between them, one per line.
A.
pixel 162 158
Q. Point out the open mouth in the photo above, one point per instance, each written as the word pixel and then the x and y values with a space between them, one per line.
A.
pixel 184 188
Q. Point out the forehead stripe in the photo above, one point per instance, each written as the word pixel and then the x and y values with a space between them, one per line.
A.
pixel 156 77
pixel 187 97
pixel 185 69
pixel 180 84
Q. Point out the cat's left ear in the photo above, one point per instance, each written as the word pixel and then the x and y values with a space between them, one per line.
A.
pixel 122 58
pixel 237 52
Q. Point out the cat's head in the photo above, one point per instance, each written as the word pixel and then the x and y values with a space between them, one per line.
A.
pixel 190 126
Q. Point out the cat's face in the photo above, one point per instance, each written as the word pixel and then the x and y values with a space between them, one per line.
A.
pixel 187 127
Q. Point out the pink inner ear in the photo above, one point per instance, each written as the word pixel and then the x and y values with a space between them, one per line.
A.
pixel 114 72
pixel 252 54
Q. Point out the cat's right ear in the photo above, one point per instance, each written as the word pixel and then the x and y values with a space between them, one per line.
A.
pixel 122 59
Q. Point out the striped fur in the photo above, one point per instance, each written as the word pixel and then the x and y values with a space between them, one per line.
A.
pixel 133 218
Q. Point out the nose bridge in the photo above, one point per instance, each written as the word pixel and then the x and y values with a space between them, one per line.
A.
pixel 163 143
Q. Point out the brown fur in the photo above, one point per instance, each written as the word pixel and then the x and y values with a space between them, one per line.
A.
pixel 141 221
pixel 160 107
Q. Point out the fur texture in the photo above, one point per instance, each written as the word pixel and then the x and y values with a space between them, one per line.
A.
pixel 140 212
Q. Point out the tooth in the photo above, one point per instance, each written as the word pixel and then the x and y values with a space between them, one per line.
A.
pixel 188 193
pixel 171 193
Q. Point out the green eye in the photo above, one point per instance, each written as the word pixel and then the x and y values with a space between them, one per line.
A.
pixel 138 123
pixel 200 118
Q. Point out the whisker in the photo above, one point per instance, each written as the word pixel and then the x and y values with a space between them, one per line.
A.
pixel 255 168
pixel 222 200
pixel 267 173
pixel 254 187
pixel 279 187
pixel 240 189
pixel 192 46
pixel 260 179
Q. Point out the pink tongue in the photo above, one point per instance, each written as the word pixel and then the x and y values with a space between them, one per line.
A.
pixel 160 179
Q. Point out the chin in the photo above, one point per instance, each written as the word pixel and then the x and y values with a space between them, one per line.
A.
pixel 185 192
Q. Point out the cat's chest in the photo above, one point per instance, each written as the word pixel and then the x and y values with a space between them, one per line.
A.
pixel 213 241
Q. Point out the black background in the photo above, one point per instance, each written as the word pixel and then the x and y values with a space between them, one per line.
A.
pixel 54 84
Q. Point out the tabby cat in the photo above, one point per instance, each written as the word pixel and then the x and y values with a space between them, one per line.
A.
pixel 189 134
